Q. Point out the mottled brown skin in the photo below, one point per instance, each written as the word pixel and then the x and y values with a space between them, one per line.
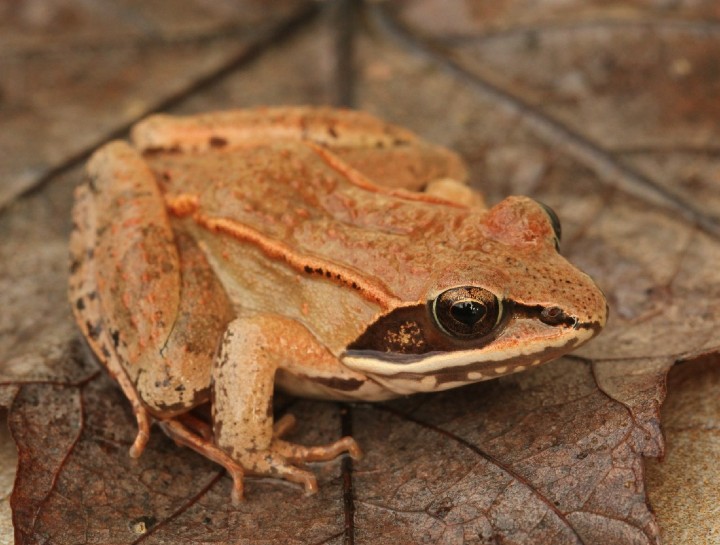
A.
pixel 222 254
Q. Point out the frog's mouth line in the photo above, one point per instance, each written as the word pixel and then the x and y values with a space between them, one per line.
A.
pixel 474 364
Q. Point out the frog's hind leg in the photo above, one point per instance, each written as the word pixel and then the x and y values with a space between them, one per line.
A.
pixel 251 352
pixel 181 434
pixel 126 285
pixel 350 139
pixel 189 432
pixel 451 190
pixel 88 311
pixel 196 425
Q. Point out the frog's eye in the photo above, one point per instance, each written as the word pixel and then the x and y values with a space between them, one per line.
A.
pixel 467 312
pixel 554 221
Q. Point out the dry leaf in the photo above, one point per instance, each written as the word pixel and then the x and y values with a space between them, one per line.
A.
pixel 85 73
pixel 685 488
pixel 541 99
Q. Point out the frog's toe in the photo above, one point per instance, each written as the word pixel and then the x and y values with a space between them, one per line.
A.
pixel 274 463
pixel 182 435
pixel 143 433
pixel 196 425
pixel 284 425
pixel 277 461
pixel 300 453
pixel 320 453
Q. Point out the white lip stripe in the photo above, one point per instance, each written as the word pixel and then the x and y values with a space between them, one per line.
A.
pixel 435 362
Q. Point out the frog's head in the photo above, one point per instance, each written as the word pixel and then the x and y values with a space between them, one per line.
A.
pixel 511 302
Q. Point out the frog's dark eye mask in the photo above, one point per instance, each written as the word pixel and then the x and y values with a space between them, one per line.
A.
pixel 460 318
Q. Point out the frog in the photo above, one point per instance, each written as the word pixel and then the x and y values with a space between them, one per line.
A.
pixel 321 251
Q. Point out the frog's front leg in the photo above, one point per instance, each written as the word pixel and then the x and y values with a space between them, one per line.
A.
pixel 245 439
pixel 252 350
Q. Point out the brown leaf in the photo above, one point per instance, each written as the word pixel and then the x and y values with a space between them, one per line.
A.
pixel 685 488
pixel 541 458
pixel 8 462
pixel 85 73
pixel 77 484
pixel 542 100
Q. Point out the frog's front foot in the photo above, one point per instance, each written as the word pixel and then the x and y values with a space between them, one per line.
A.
pixel 300 453
pixel 276 461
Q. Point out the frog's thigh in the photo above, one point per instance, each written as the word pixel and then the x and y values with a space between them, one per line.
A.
pixel 83 292
pixel 130 272
pixel 136 260
pixel 163 306
pixel 178 378
pixel 455 191
pixel 326 126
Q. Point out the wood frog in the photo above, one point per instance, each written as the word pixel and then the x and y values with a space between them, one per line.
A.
pixel 317 249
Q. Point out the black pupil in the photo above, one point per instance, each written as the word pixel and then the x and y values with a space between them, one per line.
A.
pixel 468 312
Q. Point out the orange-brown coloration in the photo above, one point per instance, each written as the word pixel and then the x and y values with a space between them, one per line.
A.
pixel 229 253
pixel 274 249
pixel 182 205
pixel 355 177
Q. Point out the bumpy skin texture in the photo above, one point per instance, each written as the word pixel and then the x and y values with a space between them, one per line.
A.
pixel 222 254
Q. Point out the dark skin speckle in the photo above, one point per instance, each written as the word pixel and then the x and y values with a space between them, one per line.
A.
pixel 344 385
pixel 217 142
pixel 94 330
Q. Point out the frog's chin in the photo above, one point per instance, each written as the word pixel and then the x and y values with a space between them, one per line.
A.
pixel 434 371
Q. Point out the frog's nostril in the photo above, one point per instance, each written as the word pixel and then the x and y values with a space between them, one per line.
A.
pixel 557 316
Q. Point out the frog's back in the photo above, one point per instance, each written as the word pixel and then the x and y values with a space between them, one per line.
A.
pixel 307 200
